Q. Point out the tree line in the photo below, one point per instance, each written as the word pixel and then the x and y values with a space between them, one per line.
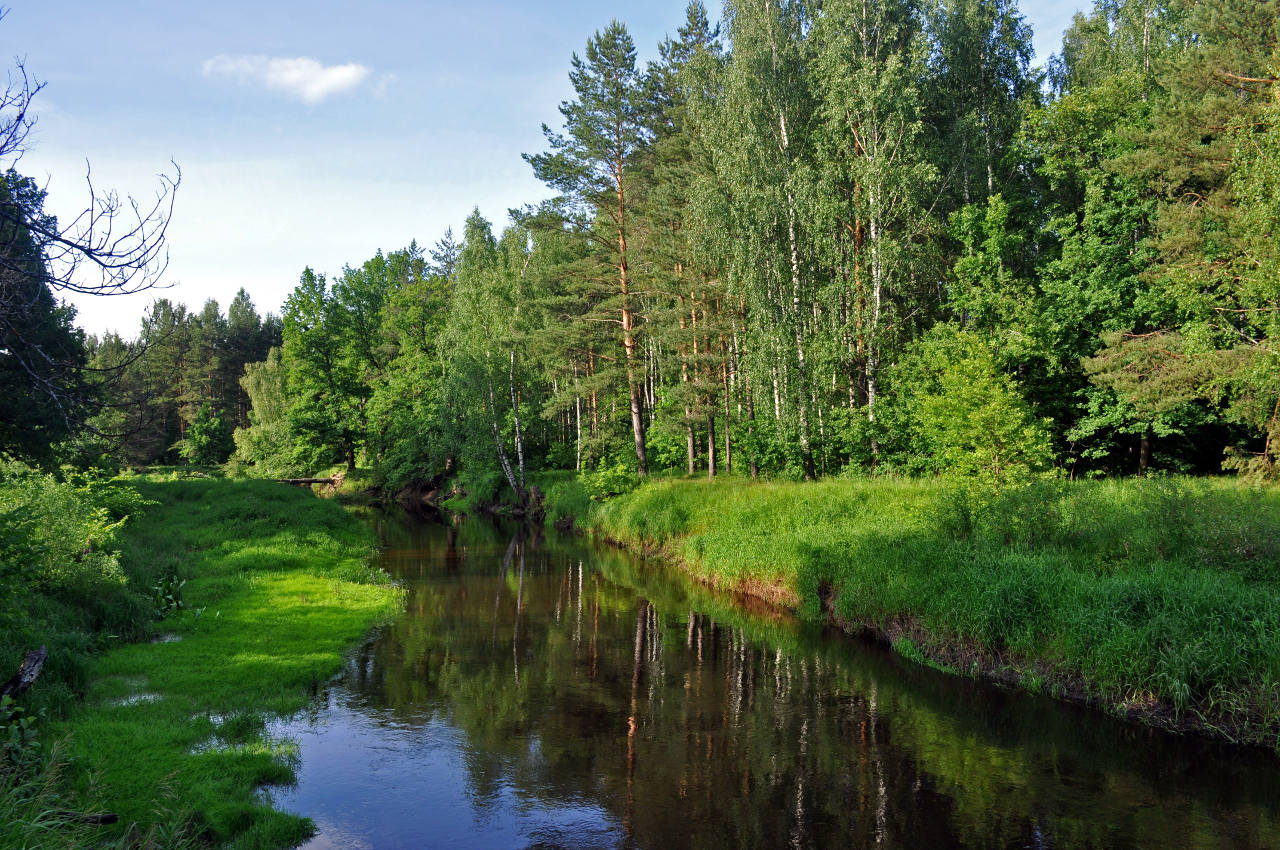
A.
pixel 811 238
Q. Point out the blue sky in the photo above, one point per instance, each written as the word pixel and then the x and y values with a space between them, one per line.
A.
pixel 311 133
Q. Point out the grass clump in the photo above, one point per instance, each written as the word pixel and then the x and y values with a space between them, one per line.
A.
pixel 1156 597
pixel 250 593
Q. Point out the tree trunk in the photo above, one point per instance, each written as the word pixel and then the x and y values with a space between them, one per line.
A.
pixel 690 440
pixel 873 344
pixel 515 413
pixel 628 332
pixel 503 460
pixel 751 422
pixel 711 446
pixel 728 448
pixel 802 402
pixel 28 672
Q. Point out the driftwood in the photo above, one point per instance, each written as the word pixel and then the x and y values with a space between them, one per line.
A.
pixel 32 664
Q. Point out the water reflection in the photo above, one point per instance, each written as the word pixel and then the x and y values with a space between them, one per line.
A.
pixel 544 693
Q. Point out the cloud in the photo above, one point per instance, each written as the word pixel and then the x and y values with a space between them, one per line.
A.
pixel 303 78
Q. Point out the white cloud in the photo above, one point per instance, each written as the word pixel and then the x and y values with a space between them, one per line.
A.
pixel 302 77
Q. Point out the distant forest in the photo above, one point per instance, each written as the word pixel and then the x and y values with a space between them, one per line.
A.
pixel 811 239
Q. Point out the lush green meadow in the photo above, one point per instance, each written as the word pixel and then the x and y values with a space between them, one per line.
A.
pixel 1157 598
pixel 250 593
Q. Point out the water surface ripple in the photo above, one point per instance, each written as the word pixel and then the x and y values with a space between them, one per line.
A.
pixel 543 692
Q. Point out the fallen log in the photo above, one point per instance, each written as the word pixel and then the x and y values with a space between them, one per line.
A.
pixel 27 673
pixel 306 482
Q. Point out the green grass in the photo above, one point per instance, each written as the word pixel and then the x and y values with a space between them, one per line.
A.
pixel 278 586
pixel 1158 598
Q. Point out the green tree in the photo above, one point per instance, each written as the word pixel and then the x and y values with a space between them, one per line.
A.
pixel 969 417
pixel 485 339
pixel 592 165
pixel 690 313
pixel 980 82
pixel 877 180
pixel 248 339
pixel 266 446
pixel 42 354
pixel 762 139
pixel 208 441
pixel 325 410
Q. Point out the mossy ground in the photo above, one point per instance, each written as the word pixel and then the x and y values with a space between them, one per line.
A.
pixel 278 587
pixel 1158 599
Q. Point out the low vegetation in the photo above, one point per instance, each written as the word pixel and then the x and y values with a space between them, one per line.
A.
pixel 172 635
pixel 1154 597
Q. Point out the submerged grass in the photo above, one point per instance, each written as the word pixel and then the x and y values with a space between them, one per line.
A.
pixel 1156 598
pixel 278 585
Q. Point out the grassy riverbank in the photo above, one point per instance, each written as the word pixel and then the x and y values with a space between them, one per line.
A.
pixel 263 588
pixel 1157 599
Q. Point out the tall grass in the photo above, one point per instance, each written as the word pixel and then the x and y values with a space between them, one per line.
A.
pixel 1157 597
pixel 252 592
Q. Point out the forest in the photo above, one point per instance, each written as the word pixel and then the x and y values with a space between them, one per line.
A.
pixel 807 240
pixel 866 242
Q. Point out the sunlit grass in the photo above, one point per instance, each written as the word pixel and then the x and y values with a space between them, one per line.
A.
pixel 278 587
pixel 1150 595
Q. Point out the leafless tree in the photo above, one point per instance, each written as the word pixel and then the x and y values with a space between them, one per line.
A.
pixel 115 246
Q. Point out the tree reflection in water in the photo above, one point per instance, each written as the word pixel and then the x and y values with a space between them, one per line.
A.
pixel 630 708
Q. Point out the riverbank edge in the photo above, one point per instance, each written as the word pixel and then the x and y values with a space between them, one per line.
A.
pixel 313 587
pixel 908 637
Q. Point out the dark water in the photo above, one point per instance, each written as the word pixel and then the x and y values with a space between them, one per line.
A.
pixel 540 692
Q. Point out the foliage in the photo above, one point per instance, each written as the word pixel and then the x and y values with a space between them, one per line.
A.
pixel 57 537
pixel 759 246
pixel 44 354
pixel 19 746
pixel 208 439
pixel 611 478
pixel 968 418
pixel 1164 587
pixel 265 447
pixel 245 569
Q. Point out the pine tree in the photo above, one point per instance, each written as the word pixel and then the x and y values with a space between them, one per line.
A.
pixel 687 318
pixel 592 165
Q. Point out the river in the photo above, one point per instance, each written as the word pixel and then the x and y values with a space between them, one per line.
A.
pixel 541 691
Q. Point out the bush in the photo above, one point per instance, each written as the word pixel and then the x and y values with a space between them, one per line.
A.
pixel 613 477
pixel 564 498
pixel 967 416
pixel 59 537
pixel 61 579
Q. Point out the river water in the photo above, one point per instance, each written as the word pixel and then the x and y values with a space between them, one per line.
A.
pixel 540 691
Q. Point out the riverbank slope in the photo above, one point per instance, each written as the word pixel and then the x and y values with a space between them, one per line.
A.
pixel 1154 599
pixel 262 588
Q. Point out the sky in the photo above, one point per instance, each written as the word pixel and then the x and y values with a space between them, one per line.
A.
pixel 310 134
